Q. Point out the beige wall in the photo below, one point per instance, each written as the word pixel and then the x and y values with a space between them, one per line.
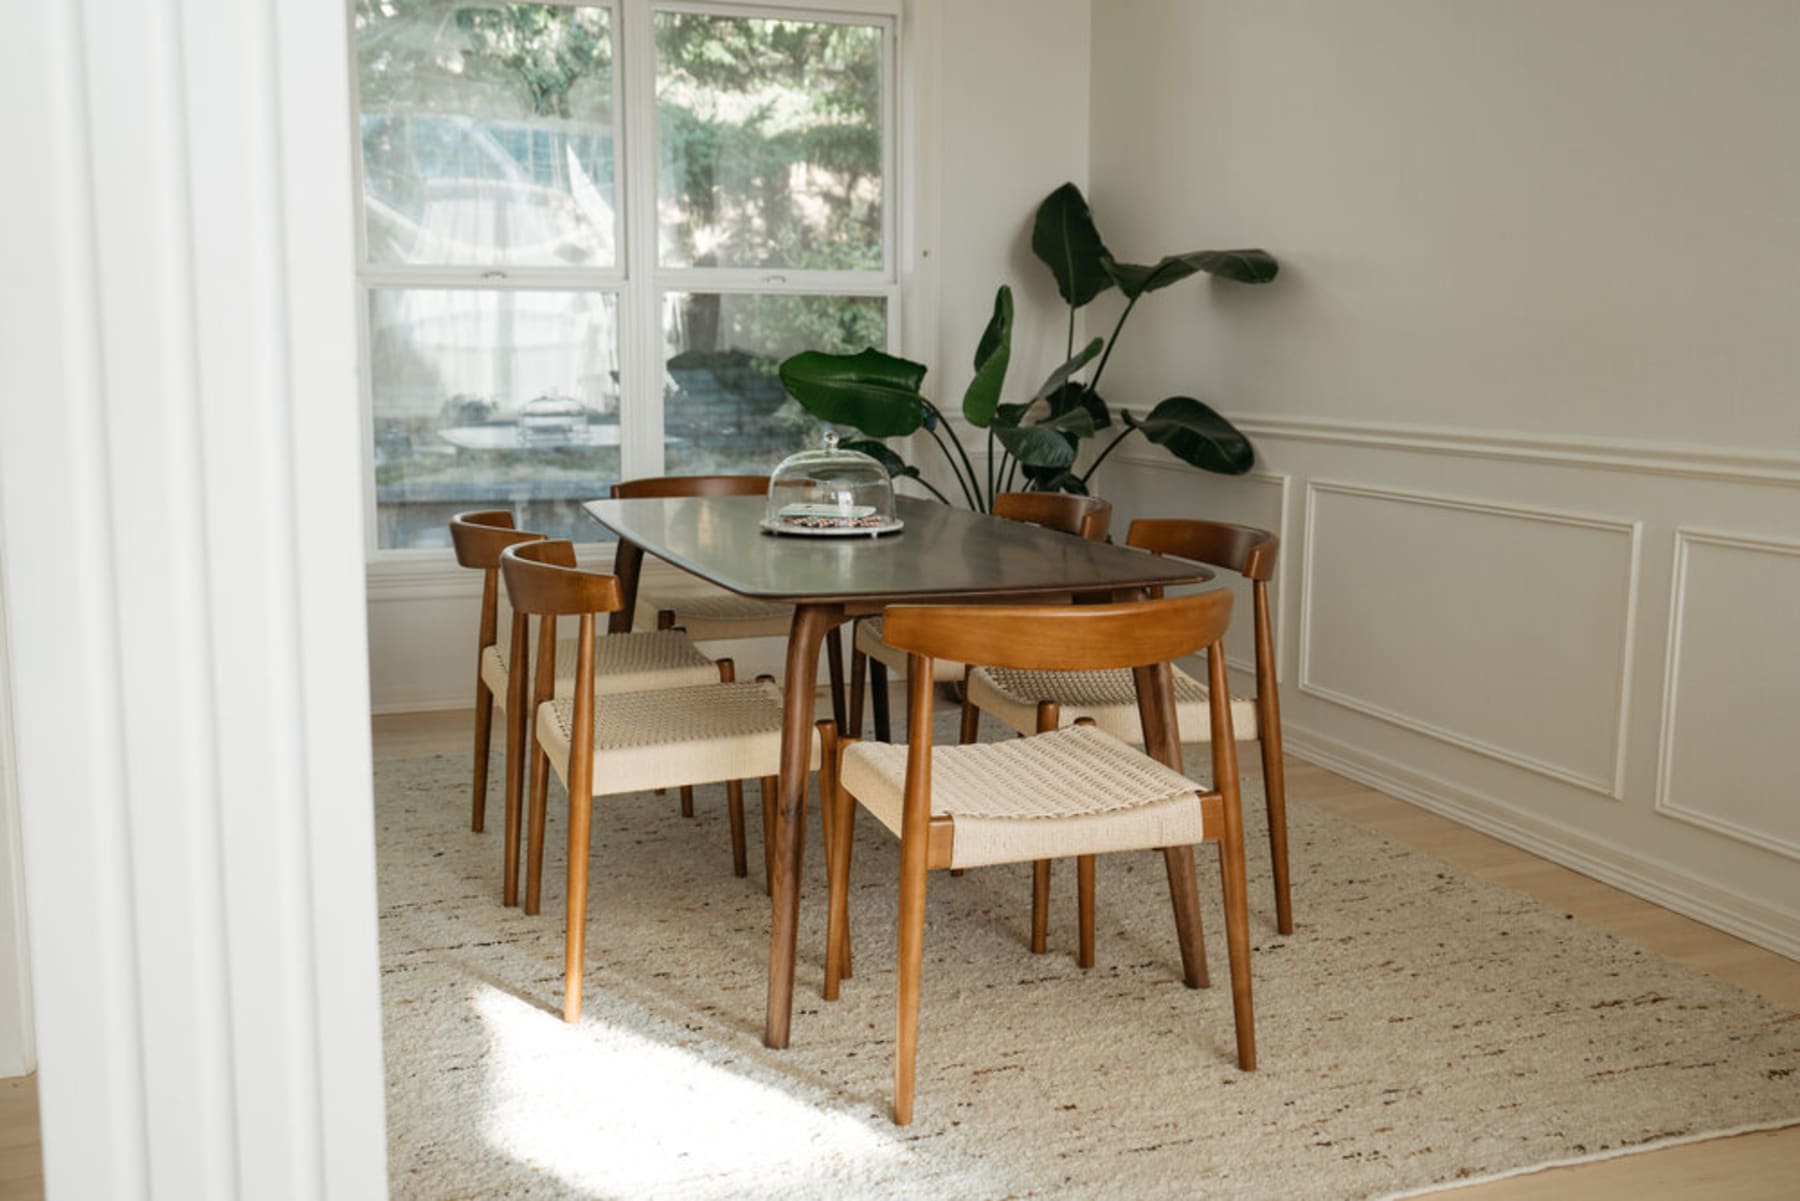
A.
pixel 1524 398
pixel 1563 217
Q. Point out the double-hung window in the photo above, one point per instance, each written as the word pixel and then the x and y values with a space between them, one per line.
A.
pixel 590 232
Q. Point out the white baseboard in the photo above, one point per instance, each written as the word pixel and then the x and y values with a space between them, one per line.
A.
pixel 1655 882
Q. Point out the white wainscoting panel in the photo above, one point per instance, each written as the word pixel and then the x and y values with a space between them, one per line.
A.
pixel 1731 689
pixel 1542 601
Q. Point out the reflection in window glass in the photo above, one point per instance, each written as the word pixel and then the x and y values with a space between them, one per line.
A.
pixel 487 133
pixel 769 147
pixel 724 409
pixel 503 399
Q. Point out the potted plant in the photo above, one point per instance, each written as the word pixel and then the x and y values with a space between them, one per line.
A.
pixel 1039 439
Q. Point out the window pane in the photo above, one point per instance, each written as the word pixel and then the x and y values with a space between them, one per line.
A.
pixel 770 142
pixel 492 399
pixel 487 134
pixel 724 409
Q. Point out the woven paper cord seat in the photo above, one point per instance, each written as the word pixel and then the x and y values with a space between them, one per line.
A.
pixel 870 643
pixel 1108 697
pixel 674 736
pixel 1074 791
pixel 705 611
pixel 622 663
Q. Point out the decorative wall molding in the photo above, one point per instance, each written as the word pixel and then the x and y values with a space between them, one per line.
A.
pixel 1738 465
pixel 1613 788
pixel 1763 840
pixel 1612 863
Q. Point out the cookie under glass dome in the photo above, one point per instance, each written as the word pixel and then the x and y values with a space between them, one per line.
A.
pixel 832 492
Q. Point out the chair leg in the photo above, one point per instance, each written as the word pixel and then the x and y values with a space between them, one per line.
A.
pixel 734 800
pixel 767 787
pixel 1275 789
pixel 1084 881
pixel 484 728
pixel 859 670
pixel 834 667
pixel 515 804
pixel 910 971
pixel 971 719
pixel 878 689
pixel 687 800
pixel 581 816
pixel 1184 894
pixel 1237 945
pixel 1040 906
pixel 837 920
pixel 534 836
pixel 830 761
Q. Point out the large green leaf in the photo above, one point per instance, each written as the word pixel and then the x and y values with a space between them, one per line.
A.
pixel 1009 415
pixel 1036 445
pixel 896 466
pixel 1195 434
pixel 1056 379
pixel 1054 479
pixel 991 359
pixel 1240 266
pixel 1050 442
pixel 871 391
pixel 1071 396
pixel 1065 238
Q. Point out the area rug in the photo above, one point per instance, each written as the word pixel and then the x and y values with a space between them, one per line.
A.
pixel 1421 1027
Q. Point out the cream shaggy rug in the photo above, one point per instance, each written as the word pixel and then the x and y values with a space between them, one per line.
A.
pixel 1421 1027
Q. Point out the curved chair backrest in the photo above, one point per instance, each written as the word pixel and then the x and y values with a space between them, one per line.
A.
pixel 1241 548
pixel 1087 517
pixel 481 535
pixel 692 485
pixel 1061 638
pixel 542 578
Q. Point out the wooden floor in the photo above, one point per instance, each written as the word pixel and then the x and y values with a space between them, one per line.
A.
pixel 1752 1167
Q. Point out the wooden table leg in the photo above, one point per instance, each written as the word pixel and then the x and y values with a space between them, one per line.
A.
pixel 798 690
pixel 627 561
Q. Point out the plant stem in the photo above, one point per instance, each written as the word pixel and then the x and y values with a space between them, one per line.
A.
pixel 990 467
pixel 1094 379
pixel 1069 351
pixel 974 480
pixel 963 483
pixel 926 484
pixel 1095 465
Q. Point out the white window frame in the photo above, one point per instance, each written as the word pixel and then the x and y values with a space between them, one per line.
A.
pixel 635 278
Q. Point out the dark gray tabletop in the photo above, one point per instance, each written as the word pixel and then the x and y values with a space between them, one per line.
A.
pixel 943 552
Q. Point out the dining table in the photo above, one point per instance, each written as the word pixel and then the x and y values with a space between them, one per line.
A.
pixel 942 555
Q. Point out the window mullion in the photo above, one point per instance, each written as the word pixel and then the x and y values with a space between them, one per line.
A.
pixel 641 419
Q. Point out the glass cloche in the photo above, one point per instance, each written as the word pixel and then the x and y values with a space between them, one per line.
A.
pixel 833 492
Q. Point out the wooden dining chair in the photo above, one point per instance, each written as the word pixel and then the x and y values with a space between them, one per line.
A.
pixel 622 742
pixel 652 659
pixel 1073 791
pixel 1025 700
pixel 671 597
pixel 1086 517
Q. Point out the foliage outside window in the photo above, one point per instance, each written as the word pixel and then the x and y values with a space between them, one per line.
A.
pixel 522 351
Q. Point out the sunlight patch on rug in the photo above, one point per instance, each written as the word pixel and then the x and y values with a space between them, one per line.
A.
pixel 606 1109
